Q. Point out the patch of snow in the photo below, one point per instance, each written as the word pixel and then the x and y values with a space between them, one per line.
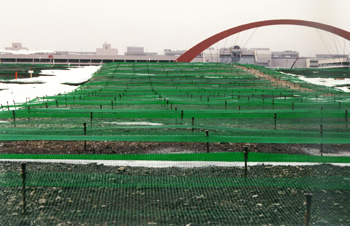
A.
pixel 52 84
pixel 329 82
pixel 166 164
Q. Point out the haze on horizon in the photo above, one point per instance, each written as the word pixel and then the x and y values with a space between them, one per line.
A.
pixel 163 24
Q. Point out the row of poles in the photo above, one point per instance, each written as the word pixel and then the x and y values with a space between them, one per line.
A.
pixel 308 196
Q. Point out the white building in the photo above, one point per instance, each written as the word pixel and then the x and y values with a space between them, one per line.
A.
pixel 16 46
pixel 106 50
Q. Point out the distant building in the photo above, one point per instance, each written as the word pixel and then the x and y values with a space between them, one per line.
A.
pixel 106 54
pixel 322 56
pixel 211 55
pixel 106 50
pixel 264 57
pixel 286 54
pixel 329 62
pixel 16 46
pixel 289 59
pixel 169 52
pixel 138 51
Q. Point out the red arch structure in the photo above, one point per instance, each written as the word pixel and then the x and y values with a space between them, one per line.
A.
pixel 190 54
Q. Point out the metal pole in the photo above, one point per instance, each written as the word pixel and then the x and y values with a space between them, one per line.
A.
pixel 207 135
pixel 346 118
pixel 84 135
pixel 308 197
pixel 182 116
pixel 23 173
pixel 14 118
pixel 245 162
pixel 321 133
pixel 192 124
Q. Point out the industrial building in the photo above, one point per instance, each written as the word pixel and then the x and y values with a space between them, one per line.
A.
pixel 107 54
pixel 272 59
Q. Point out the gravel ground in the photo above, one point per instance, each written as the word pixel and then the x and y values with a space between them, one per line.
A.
pixel 66 194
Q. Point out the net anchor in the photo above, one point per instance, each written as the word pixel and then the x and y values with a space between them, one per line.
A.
pixel 308 197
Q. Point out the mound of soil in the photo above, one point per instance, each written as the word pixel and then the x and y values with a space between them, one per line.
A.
pixel 97 147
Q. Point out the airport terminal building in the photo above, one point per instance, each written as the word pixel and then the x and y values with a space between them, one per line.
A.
pixel 107 54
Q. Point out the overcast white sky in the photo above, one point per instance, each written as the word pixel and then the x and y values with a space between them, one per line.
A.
pixel 160 24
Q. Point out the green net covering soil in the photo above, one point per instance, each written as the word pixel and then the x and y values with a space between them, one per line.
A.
pixel 168 102
pixel 63 194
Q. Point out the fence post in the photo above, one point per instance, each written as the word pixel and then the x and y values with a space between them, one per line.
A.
pixel 23 173
pixel 176 117
pixel 192 124
pixel 321 133
pixel 91 119
pixel 207 135
pixel 308 197
pixel 182 116
pixel 275 117
pixel 346 118
pixel 14 117
pixel 245 162
pixel 84 135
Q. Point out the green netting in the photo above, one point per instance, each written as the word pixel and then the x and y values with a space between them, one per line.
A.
pixel 178 102
pixel 220 157
pixel 168 102
pixel 93 194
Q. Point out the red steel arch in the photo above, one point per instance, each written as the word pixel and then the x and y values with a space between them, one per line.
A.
pixel 190 54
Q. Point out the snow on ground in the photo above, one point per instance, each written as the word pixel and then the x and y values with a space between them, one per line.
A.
pixel 329 82
pixel 51 85
pixel 166 164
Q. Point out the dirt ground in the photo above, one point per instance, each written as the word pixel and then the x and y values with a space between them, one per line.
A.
pixel 97 147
